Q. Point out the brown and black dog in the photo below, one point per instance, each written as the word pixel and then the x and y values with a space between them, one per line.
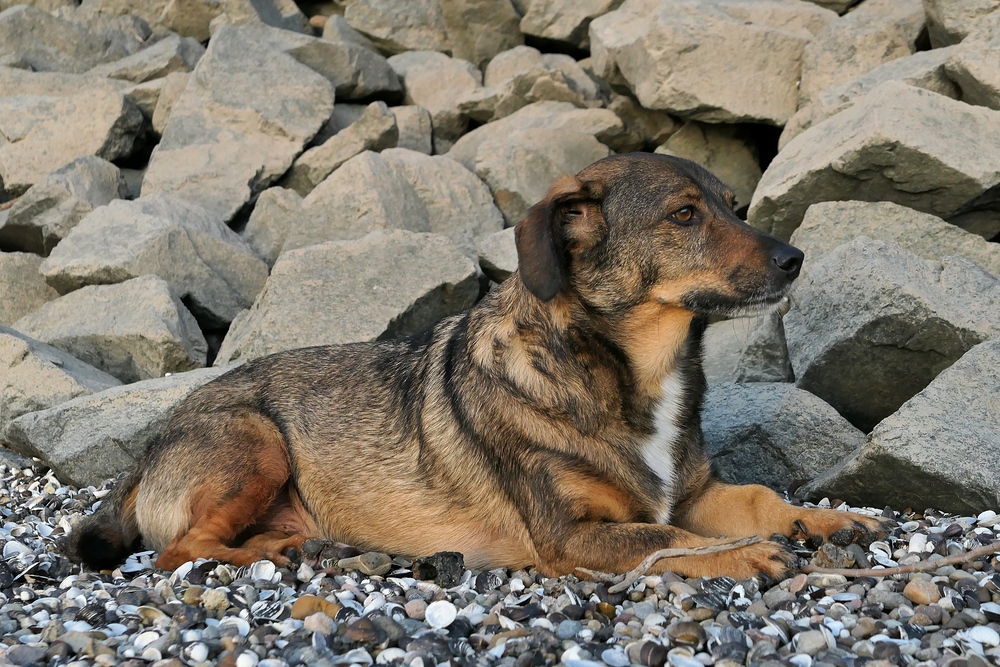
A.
pixel 554 424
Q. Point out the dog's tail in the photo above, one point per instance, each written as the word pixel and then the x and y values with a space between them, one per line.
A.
pixel 102 540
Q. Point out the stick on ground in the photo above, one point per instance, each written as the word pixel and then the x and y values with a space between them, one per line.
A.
pixel 923 566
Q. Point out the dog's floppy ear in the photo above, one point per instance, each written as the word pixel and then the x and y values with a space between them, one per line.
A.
pixel 541 240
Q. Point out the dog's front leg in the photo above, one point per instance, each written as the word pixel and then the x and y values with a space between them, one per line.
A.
pixel 734 511
pixel 619 547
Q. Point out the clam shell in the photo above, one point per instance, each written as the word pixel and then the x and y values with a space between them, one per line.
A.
pixel 390 655
pixel 264 570
pixel 144 639
pixel 195 653
pixel 980 634
pixel 440 614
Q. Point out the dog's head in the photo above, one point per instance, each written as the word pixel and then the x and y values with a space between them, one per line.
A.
pixel 644 229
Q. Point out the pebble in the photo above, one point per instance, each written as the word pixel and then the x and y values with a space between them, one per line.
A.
pixel 266 616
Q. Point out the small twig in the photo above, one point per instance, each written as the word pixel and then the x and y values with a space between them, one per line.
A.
pixel 923 566
pixel 633 575
pixel 6 205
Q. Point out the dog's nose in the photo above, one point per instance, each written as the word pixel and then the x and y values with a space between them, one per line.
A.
pixel 788 259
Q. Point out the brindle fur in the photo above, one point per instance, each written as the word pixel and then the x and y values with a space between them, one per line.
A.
pixel 513 432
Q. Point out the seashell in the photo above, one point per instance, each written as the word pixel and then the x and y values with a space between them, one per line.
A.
pixel 14 549
pixel 980 634
pixel 181 572
pixel 395 611
pixel 390 655
pixel 882 553
pixel 615 657
pixel 151 654
pixel 987 518
pixel 918 543
pixel 357 656
pixel 374 601
pixel 909 526
pixel 94 614
pixel 144 639
pixel 247 658
pixel 268 610
pixel 460 647
pixel 682 657
pixel 801 660
pixel 440 614
pixel 264 570
pixel 148 614
pixel 240 624
pixel 195 653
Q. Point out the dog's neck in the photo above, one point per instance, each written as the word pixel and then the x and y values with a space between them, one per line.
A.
pixel 529 337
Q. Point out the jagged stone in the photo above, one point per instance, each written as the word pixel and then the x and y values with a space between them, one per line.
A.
pixel 566 21
pixel 171 54
pixel 413 124
pixel 416 25
pixel 498 255
pixel 477 30
pixel 23 288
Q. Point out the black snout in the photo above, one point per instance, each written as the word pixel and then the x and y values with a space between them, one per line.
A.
pixel 788 259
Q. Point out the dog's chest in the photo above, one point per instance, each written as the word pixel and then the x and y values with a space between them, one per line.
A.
pixel 658 450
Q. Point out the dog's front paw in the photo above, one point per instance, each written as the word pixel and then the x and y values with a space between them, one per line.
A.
pixel 771 559
pixel 840 528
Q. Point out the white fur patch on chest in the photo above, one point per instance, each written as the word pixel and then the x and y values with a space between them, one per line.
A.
pixel 658 450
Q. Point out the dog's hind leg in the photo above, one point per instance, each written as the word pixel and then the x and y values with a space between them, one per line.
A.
pixel 742 510
pixel 249 467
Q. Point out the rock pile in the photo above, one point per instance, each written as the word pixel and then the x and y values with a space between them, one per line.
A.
pixel 185 185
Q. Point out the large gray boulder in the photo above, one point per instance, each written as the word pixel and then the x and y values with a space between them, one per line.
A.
pixel 90 438
pixel 721 150
pixel 975 68
pixel 437 83
pixel 523 75
pixel 644 129
pixel 33 39
pixel 276 211
pixel 875 323
pixel 886 147
pixel 416 25
pixel 173 53
pixel 35 376
pixel 356 72
pixel 385 285
pixel 925 69
pixel 46 213
pixel 950 21
pixel 459 205
pixel 202 260
pixel 876 32
pixel 773 434
pixel 747 349
pixel 373 131
pixel 937 450
pixel 170 91
pixel 829 224
pixel 498 255
pixel 23 287
pixel 225 141
pixel 364 195
pixel 566 21
pixel 414 127
pixel 478 30
pixel 602 124
pixel 718 61
pixel 135 330
pixel 50 119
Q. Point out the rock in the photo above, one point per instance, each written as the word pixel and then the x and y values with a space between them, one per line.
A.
pixel 22 285
pixel 519 168
pixel 810 642
pixel 949 21
pixel 375 130
pixel 922 591
pixel 975 68
pixel 282 14
pixel 145 96
pixel 204 262
pixel 45 214
pixel 721 150
pixel 773 433
pixel 365 194
pixel 224 142
pixel 459 205
pixel 565 21
pixel 983 223
pixel 829 224
pixel 337 29
pixel 136 330
pixel 383 286
pixel 498 255
pixel 747 349
pixel 436 82
pixel 645 129
pixel 418 25
pixel 277 209
pixel 413 124
pixel 477 30
pixel 171 54
pixel 50 119
pixel 356 72
pixel 925 69
pixel 523 75
pixel 171 91
pixel 601 124
pixel 876 32
pixel 874 324
pixel 90 438
pixel 66 46
pixel 887 147
pixel 934 451
pixel 695 59
pixel 37 376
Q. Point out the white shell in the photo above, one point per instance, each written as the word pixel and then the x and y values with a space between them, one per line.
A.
pixel 357 656
pixel 247 659
pixel 241 625
pixel 801 660
pixel 197 652
pixel 144 639
pixel 264 570
pixel 615 657
pixel 980 634
pixel 151 654
pixel 440 614
pixel 918 542
pixel 390 655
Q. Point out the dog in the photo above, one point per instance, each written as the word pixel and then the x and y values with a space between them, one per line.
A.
pixel 555 424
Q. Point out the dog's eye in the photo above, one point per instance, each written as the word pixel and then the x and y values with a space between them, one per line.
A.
pixel 683 215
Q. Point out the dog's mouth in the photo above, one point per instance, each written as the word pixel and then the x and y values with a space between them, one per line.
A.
pixel 757 302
